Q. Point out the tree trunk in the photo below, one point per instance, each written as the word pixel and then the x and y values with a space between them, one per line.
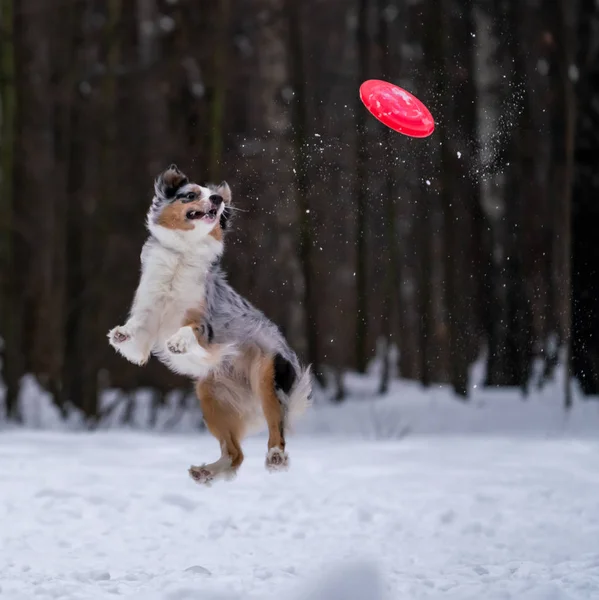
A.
pixel 456 229
pixel 392 285
pixel 302 187
pixel 10 315
pixel 108 168
pixel 423 236
pixel 219 90
pixel 460 194
pixel 361 191
pixel 511 345
pixel 75 341
pixel 562 167
pixel 43 297
pixel 585 209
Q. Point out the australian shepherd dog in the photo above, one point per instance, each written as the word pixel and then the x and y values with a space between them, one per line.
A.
pixel 187 315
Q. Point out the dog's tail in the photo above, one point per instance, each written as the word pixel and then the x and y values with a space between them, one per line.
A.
pixel 299 398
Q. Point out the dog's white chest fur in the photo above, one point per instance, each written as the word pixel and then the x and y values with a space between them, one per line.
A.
pixel 175 285
pixel 179 286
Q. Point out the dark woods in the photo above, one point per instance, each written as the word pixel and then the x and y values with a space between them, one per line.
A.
pixel 478 241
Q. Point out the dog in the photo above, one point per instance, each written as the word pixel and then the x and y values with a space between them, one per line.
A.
pixel 186 314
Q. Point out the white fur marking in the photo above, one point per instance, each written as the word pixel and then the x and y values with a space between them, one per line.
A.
pixel 126 341
pixel 185 341
pixel 277 460
pixel 208 474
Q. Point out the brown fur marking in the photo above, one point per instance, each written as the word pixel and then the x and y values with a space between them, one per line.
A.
pixel 271 405
pixel 173 214
pixel 193 319
pixel 173 217
pixel 223 422
pixel 217 233
pixel 173 178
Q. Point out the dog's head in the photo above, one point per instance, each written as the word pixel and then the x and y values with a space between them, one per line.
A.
pixel 188 211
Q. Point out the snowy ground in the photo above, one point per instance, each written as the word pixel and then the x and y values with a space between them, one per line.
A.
pixel 113 514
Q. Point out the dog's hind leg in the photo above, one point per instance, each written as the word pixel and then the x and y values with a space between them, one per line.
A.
pixel 274 413
pixel 226 424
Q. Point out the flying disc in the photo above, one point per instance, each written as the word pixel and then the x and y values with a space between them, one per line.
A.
pixel 397 108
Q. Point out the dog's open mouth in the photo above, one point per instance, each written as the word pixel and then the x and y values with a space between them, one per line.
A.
pixel 195 215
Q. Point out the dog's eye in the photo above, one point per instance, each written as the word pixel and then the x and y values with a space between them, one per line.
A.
pixel 190 195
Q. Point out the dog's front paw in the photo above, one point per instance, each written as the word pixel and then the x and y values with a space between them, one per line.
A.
pixel 122 339
pixel 182 341
pixel 118 335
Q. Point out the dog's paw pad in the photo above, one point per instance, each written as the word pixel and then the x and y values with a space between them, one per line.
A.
pixel 118 335
pixel 201 475
pixel 176 347
pixel 182 341
pixel 277 460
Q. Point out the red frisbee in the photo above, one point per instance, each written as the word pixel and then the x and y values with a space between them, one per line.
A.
pixel 396 108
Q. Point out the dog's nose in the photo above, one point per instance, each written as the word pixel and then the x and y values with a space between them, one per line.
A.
pixel 216 199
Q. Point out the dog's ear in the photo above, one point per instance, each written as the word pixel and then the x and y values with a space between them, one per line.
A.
pixel 224 191
pixel 168 182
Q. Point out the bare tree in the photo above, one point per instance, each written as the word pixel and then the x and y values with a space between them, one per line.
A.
pixel 563 125
pixel 9 311
pixel 361 191
pixel 585 259
pixel 392 272
pixel 219 88
pixel 299 126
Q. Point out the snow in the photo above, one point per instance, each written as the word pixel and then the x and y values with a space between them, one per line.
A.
pixel 408 409
pixel 415 495
pixel 113 514
pixel 411 410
